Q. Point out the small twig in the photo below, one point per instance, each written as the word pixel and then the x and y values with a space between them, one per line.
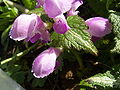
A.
pixel 18 55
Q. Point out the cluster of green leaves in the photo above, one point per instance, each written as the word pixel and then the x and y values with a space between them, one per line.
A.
pixel 7 15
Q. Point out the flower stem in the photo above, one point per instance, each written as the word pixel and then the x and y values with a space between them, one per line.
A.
pixel 19 54
pixel 21 8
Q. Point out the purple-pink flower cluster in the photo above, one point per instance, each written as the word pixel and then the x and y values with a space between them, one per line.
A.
pixel 32 28
pixel 56 9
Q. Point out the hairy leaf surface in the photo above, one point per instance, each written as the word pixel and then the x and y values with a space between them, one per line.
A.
pixel 115 19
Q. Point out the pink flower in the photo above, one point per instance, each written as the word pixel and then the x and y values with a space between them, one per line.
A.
pixel 56 8
pixel 98 26
pixel 44 63
pixel 60 26
pixel 29 27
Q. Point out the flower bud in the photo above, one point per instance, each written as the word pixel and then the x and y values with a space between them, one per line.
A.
pixel 98 26
pixel 45 63
pixel 60 26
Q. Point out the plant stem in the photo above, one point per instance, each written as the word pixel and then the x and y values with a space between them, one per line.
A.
pixel 112 58
pixel 19 54
pixel 78 59
pixel 21 8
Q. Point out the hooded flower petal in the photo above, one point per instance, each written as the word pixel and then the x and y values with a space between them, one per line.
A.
pixel 60 25
pixel 98 26
pixel 56 7
pixel 44 64
pixel 22 25
pixel 28 27
pixel 75 5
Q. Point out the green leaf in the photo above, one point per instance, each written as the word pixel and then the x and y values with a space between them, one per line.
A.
pixel 77 37
pixel 116 48
pixel 109 80
pixel 104 80
pixel 115 19
pixel 5 38
pixel 4 35
pixel 8 12
pixel 7 16
pixel 116 73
